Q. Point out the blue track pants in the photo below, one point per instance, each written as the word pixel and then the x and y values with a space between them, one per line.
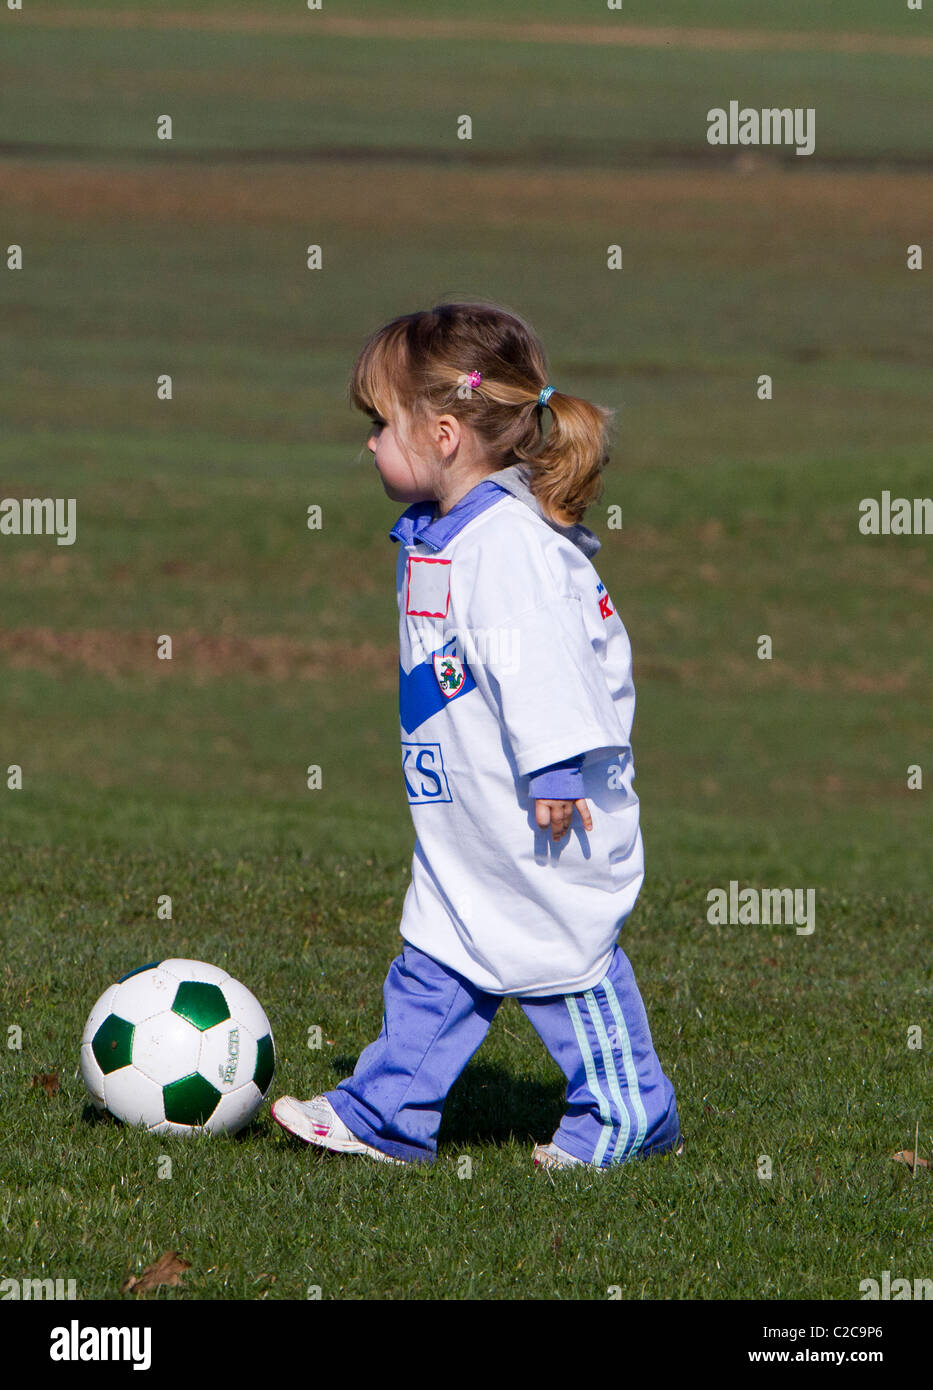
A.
pixel 619 1103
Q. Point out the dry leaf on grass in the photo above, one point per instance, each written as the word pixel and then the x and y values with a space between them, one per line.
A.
pixel 167 1269
pixel 911 1159
pixel 48 1080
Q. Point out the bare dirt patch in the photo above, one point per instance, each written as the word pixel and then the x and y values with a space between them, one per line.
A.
pixel 200 658
pixel 387 27
pixel 197 657
pixel 100 192
pixel 729 673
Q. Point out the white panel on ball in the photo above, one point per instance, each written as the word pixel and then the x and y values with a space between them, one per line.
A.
pixel 144 995
pixel 246 1008
pixel 133 1098
pixel 228 1054
pixel 196 971
pixel 235 1110
pixel 166 1048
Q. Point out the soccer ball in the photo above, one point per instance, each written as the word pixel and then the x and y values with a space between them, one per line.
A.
pixel 178 1046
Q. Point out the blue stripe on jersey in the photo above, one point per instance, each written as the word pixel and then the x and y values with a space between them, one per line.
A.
pixel 420 696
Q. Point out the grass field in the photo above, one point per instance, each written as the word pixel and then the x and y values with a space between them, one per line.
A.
pixel 583 104
pixel 740 517
pixel 802 16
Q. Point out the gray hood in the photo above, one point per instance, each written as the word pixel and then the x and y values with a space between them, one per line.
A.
pixel 515 480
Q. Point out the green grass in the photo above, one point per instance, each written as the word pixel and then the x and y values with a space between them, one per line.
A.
pixel 778 1045
pixel 104 90
pixel 821 15
pixel 739 518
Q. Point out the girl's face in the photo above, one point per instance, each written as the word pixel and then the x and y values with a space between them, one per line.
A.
pixel 404 479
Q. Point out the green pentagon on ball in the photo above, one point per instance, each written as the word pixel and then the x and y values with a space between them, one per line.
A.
pixel 113 1044
pixel 191 1101
pixel 203 1005
pixel 265 1063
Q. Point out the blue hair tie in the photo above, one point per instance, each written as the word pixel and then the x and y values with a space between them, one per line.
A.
pixel 545 395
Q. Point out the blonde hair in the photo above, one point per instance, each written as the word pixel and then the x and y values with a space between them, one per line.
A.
pixel 417 365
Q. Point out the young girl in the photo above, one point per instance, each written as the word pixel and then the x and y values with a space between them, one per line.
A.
pixel 516 705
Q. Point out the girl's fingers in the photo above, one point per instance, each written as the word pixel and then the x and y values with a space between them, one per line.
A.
pixel 558 815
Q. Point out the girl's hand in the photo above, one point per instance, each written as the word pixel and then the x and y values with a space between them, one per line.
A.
pixel 559 814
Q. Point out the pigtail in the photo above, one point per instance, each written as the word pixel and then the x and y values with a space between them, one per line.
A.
pixel 566 463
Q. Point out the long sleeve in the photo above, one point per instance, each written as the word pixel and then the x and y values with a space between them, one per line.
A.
pixel 561 781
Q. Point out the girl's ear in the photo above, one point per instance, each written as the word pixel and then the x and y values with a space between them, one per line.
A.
pixel 447 434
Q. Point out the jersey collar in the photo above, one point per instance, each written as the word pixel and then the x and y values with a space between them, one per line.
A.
pixel 417 526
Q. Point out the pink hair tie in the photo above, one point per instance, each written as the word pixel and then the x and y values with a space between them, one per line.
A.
pixel 474 379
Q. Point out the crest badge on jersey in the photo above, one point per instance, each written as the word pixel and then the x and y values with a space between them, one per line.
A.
pixel 449 673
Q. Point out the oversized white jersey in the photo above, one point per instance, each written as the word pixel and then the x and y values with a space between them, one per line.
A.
pixel 512 657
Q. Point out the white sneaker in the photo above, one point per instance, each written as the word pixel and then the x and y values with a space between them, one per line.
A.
pixel 550 1156
pixel 317 1122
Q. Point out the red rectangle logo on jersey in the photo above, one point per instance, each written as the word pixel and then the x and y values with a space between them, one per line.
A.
pixel 428 587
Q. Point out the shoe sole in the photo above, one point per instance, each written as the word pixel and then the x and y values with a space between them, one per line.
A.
pixel 320 1138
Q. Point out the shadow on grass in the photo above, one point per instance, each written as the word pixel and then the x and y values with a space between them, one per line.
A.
pixel 491 1105
pixel 488 1104
pixel 90 1115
